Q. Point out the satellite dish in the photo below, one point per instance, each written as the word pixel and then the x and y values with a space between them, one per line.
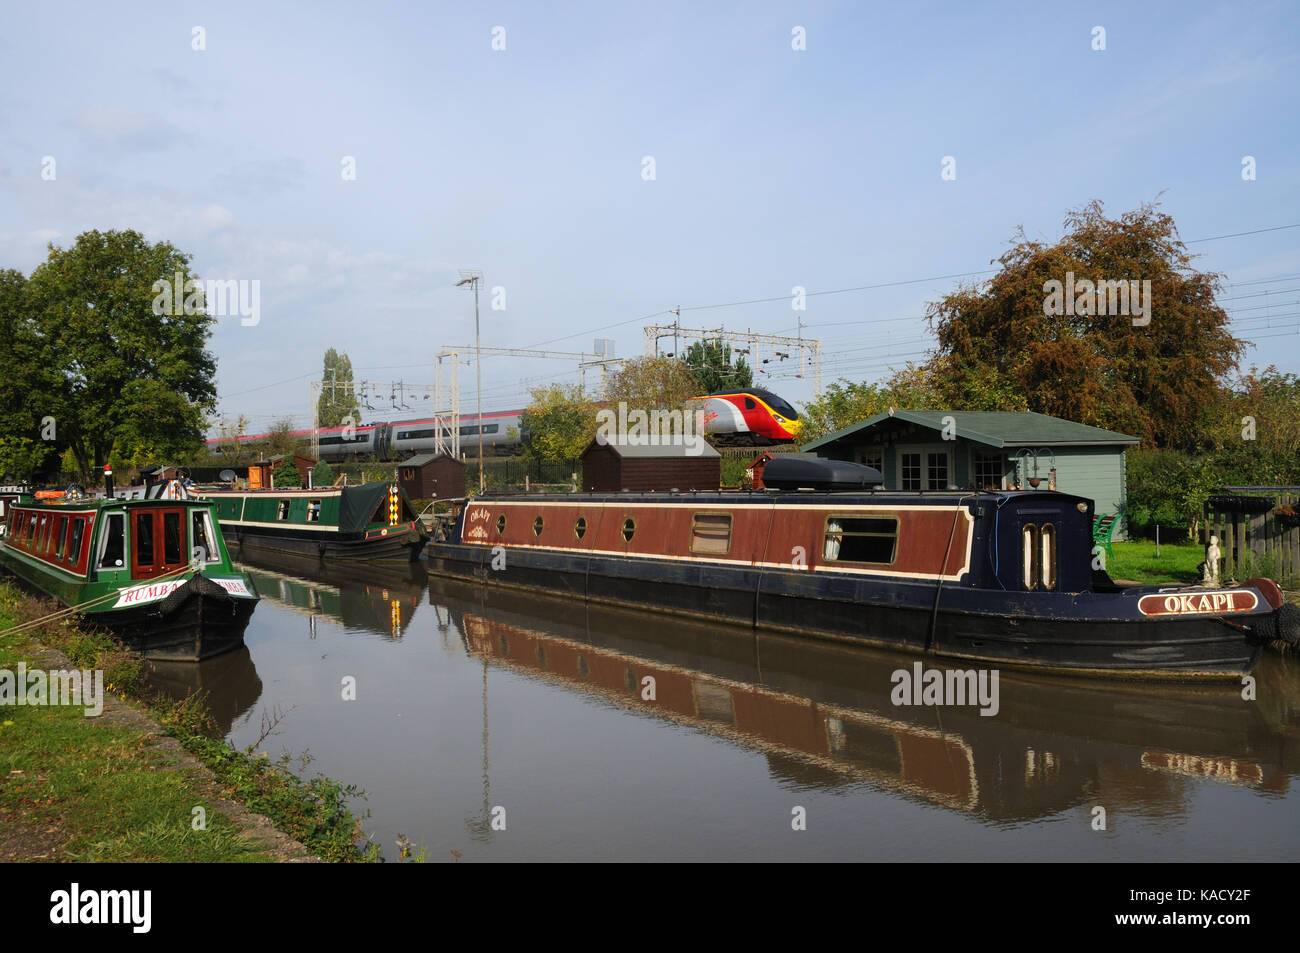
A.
pixel 227 476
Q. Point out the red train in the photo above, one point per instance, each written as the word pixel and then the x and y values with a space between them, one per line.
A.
pixel 752 417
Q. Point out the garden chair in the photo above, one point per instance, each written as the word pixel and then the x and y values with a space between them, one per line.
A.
pixel 1103 528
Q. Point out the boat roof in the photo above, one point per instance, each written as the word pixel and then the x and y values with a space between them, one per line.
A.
pixel 788 497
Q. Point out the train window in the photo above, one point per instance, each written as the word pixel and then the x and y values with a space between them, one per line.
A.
pixel 1047 551
pixel 74 540
pixel 580 527
pixel 491 428
pixel 282 511
pixel 313 511
pixel 711 534
pixel 749 403
pixel 1029 552
pixel 113 551
pixel 859 539
pixel 537 526
pixel 629 529
pixel 501 524
pixel 60 537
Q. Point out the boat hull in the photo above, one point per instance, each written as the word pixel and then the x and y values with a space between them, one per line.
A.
pixel 1077 633
pixel 399 547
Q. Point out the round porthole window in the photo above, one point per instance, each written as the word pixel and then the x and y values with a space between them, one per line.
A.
pixel 501 524
pixel 537 526
pixel 629 529
pixel 580 527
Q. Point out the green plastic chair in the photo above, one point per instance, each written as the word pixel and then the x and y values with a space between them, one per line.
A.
pixel 1103 528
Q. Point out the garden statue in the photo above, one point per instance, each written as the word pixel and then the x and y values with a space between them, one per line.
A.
pixel 1210 568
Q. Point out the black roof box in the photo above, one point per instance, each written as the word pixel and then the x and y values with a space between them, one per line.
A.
pixel 799 472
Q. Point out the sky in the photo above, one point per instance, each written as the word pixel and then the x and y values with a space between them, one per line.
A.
pixel 602 164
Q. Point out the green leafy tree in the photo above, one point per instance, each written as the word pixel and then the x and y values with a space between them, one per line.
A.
pixel 338 396
pixel 710 362
pixel 322 474
pixel 1151 380
pixel 558 423
pixel 125 364
pixel 286 474
pixel 26 450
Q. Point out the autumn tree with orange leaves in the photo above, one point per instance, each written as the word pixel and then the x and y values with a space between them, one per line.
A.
pixel 1155 380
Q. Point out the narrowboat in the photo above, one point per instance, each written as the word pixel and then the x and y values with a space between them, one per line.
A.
pixel 373 521
pixel 155 573
pixel 1002 577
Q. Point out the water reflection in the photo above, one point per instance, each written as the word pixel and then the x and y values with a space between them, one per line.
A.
pixel 823 717
pixel 376 599
pixel 229 683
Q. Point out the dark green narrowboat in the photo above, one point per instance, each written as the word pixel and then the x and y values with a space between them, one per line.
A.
pixel 155 573
pixel 373 522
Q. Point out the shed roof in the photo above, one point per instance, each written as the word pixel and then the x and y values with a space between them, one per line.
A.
pixel 669 451
pixel 424 458
pixel 994 428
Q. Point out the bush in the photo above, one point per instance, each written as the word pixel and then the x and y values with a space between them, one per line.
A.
pixel 286 474
pixel 1168 488
pixel 322 474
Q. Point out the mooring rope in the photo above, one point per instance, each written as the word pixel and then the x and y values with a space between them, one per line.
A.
pixel 81 606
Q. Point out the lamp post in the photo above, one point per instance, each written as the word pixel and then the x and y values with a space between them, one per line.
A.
pixel 474 278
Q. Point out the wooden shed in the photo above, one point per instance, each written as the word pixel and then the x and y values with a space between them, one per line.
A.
pixel 259 473
pixel 432 476
pixel 611 466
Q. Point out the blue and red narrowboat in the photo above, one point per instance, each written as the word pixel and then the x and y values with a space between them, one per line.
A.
pixel 1005 578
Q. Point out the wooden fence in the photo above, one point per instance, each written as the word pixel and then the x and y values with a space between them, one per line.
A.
pixel 1271 545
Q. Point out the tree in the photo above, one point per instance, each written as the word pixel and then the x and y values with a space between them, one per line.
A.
pixel 322 474
pixel 710 362
pixel 338 395
pixel 286 474
pixel 233 450
pixel 1149 375
pixel 124 363
pixel 26 449
pixel 650 382
pixel 282 439
pixel 558 424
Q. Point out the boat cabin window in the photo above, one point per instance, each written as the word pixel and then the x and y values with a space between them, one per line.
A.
pixel 711 534
pixel 580 527
pixel 60 536
pixel 501 524
pixel 203 549
pixel 1029 548
pixel 144 538
pixel 112 552
pixel 629 529
pixel 1047 556
pixel 282 511
pixel 537 526
pixel 75 532
pixel 859 539
pixel 313 511
pixel 172 538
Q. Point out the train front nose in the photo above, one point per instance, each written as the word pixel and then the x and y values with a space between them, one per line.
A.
pixel 794 427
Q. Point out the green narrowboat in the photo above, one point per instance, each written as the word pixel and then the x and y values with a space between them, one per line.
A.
pixel 373 522
pixel 155 573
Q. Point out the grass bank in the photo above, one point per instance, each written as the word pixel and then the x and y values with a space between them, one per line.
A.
pixel 120 786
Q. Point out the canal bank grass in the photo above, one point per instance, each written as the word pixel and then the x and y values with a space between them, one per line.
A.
pixel 124 786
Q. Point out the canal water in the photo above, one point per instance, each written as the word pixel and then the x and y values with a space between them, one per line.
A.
pixel 488 726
